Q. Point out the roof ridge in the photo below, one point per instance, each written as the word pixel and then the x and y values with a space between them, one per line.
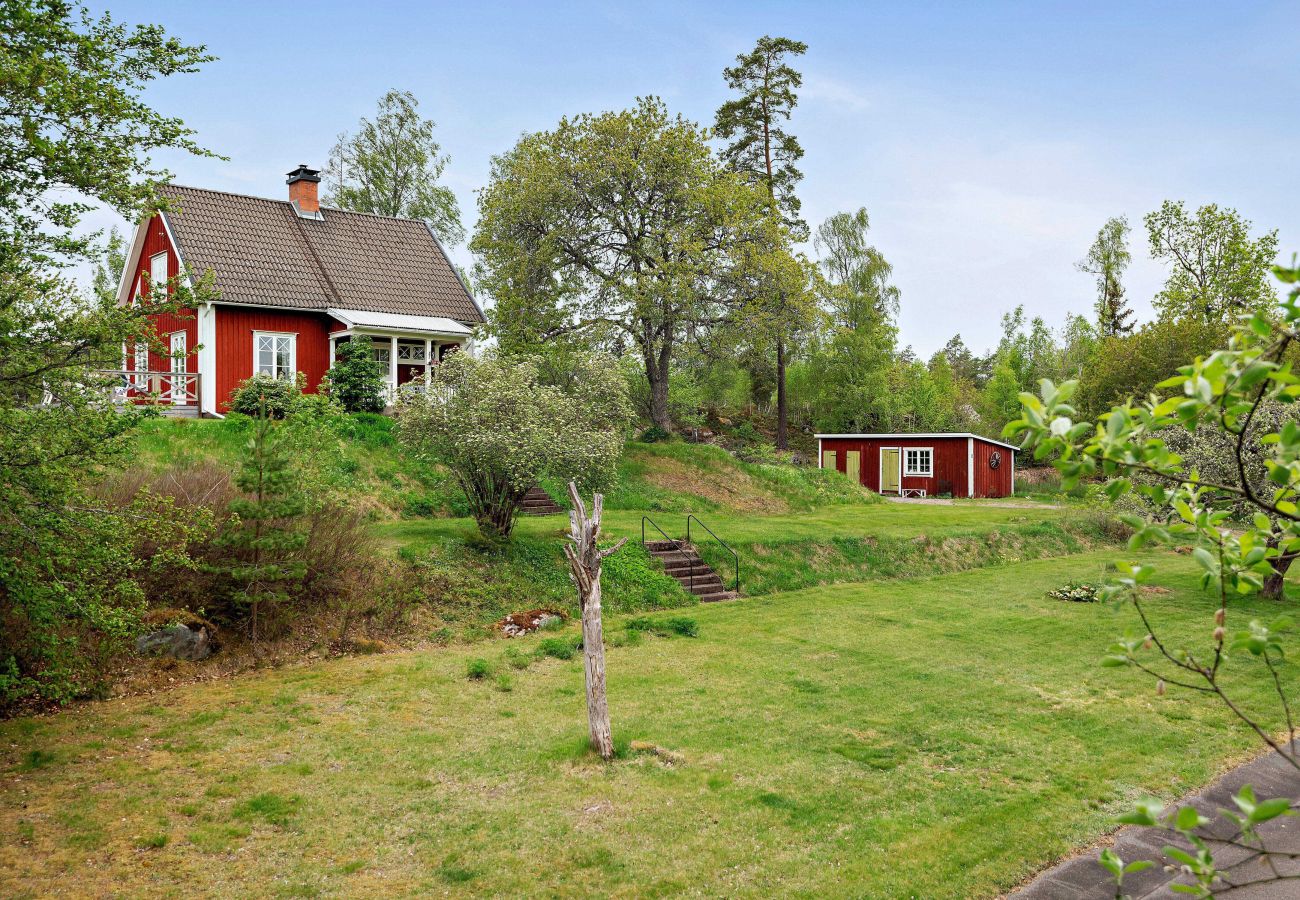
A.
pixel 337 209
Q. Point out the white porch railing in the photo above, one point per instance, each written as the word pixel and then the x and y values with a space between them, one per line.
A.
pixel 171 388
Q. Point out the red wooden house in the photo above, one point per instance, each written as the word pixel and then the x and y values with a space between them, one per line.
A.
pixel 293 279
pixel 958 465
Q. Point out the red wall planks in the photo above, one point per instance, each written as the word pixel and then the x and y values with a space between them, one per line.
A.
pixel 235 326
pixel 991 482
pixel 950 474
pixel 155 242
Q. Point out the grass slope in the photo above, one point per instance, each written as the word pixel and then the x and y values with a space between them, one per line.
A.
pixel 844 542
pixel 936 737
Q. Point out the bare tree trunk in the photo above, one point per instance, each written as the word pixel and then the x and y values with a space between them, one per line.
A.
pixel 585 558
pixel 782 441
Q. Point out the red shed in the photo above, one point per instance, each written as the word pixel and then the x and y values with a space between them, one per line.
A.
pixel 923 465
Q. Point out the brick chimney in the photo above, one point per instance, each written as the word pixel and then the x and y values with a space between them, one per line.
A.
pixel 302 183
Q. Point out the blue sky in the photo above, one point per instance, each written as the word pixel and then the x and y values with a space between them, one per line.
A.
pixel 989 141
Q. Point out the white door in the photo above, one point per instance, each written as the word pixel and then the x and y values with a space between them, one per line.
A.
pixel 178 367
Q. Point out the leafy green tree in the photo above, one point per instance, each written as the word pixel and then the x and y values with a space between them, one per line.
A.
pixel 764 153
pixel 72 125
pixel 499 428
pixel 845 384
pixel 357 379
pixel 1230 392
pixel 999 400
pixel 861 272
pixel 1217 270
pixel 266 531
pixel 392 166
pixel 945 412
pixel 966 366
pixel 108 268
pixel 1107 259
pixel 1130 367
pixel 619 226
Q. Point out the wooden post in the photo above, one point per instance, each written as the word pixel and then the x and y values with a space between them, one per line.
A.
pixel 584 565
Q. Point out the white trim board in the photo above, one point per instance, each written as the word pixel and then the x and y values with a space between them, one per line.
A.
pixel 919 436
pixel 970 466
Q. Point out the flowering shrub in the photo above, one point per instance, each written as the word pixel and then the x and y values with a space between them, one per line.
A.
pixel 1076 592
pixel 500 428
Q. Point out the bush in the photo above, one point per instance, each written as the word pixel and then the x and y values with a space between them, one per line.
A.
pixel 654 435
pixel 262 393
pixel 357 380
pixel 685 626
pixel 557 647
pixel 478 669
pixel 495 424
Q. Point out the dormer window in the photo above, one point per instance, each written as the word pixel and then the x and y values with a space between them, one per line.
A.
pixel 158 274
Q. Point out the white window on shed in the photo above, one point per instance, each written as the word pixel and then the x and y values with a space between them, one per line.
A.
pixel 918 461
pixel 158 272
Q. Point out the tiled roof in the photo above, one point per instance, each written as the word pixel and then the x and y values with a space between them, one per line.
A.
pixel 261 252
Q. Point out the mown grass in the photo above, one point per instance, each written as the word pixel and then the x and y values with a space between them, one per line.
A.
pixel 941 737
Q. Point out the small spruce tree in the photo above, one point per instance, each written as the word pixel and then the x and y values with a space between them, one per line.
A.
pixel 357 379
pixel 265 532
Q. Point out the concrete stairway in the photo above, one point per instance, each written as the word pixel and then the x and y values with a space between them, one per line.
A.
pixel 683 562
pixel 539 503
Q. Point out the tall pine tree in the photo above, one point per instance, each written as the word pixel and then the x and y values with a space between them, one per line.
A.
pixel 760 149
pixel 1107 259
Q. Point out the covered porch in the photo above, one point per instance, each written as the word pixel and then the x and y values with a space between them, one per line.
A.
pixel 408 346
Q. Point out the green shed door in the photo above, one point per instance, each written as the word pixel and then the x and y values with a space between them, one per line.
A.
pixel 889 470
pixel 828 459
pixel 853 465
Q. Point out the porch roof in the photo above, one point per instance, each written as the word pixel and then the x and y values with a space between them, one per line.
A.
pixel 389 322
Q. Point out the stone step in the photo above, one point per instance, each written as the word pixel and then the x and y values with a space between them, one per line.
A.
pixel 682 563
pixel 539 503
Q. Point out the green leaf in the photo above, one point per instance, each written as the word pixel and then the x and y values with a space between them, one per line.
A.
pixel 1270 809
pixel 1206 559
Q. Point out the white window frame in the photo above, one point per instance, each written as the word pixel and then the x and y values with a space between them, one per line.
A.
pixel 141 364
pixel 275 372
pixel 928 472
pixel 153 272
pixel 178 365
pixel 408 352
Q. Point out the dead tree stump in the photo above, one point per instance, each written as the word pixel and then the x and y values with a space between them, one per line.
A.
pixel 585 558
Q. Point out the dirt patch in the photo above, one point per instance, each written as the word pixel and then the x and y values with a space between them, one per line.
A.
pixel 521 623
pixel 731 488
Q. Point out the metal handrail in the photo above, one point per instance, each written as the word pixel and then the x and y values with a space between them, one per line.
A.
pixel 676 543
pixel 735 557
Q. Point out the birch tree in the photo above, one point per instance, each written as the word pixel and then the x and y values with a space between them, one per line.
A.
pixel 392 166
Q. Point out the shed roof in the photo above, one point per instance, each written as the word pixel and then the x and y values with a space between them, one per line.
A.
pixel 918 435
pixel 262 252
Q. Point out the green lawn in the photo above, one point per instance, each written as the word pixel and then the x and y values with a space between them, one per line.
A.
pixel 941 737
